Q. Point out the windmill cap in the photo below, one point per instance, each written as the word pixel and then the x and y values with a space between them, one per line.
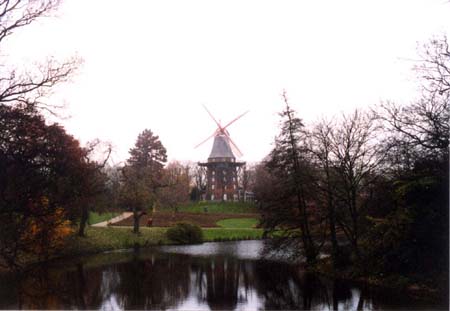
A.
pixel 221 149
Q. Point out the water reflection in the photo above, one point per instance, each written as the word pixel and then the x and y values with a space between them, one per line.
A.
pixel 170 278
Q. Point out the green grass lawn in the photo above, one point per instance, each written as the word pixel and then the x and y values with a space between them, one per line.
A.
pixel 238 223
pixel 219 207
pixel 95 217
pixel 110 238
pixel 223 234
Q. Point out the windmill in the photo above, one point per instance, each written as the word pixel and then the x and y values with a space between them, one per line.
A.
pixel 222 168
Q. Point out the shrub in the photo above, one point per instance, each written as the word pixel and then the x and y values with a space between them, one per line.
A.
pixel 185 233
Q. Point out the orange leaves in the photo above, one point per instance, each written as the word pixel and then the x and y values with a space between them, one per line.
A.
pixel 47 229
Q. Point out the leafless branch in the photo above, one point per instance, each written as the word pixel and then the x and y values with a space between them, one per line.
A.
pixel 28 89
pixel 15 14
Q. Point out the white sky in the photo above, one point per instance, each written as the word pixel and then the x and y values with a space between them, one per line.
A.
pixel 152 64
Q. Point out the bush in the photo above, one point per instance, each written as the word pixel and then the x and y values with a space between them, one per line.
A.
pixel 185 233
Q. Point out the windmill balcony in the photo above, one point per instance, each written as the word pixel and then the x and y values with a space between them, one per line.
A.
pixel 221 160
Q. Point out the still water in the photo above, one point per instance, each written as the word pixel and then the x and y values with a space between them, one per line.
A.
pixel 211 276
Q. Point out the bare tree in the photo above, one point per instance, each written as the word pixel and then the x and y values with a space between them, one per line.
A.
pixel 136 192
pixel 198 175
pixel 356 150
pixel 246 179
pixel 29 88
pixel 434 66
pixel 321 146
pixel 15 14
pixel 176 185
pixel 95 185
pixel 417 166
pixel 425 123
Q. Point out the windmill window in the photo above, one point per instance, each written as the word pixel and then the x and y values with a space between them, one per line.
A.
pixel 212 187
pixel 213 172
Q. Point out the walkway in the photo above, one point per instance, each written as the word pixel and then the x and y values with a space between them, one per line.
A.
pixel 113 220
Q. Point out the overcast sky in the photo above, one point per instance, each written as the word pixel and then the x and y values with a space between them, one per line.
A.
pixel 152 64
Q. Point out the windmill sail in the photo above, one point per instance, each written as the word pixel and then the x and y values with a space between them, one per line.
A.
pixel 222 169
pixel 224 145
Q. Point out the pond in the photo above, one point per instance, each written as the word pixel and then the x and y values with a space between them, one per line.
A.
pixel 211 276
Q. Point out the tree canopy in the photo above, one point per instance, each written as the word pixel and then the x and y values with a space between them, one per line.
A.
pixel 42 173
pixel 143 174
pixel 374 183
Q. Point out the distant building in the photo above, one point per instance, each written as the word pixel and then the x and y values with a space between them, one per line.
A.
pixel 222 171
pixel 247 196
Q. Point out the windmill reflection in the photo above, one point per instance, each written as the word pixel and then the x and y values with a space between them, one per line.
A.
pixel 174 281
pixel 219 280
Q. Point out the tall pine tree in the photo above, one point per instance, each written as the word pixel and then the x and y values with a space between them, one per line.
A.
pixel 286 208
pixel 143 173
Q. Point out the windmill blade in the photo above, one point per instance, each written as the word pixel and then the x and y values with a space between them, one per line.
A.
pixel 213 134
pixel 210 114
pixel 235 148
pixel 233 145
pixel 236 152
pixel 235 119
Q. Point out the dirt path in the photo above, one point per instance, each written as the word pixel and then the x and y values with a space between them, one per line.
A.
pixel 121 217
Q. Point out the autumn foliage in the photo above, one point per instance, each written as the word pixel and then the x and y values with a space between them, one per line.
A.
pixel 43 185
pixel 47 229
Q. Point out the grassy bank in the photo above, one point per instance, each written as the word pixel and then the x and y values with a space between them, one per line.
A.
pixel 219 207
pixel 242 223
pixel 226 234
pixel 110 238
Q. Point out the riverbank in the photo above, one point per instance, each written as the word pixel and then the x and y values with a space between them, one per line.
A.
pixel 172 277
pixel 431 289
pixel 101 239
pixel 112 238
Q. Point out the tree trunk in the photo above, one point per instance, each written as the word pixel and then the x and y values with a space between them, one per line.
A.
pixel 136 218
pixel 331 215
pixel 335 296
pixel 332 227
pixel 83 220
pixel 356 248
pixel 81 289
pixel 308 243
pixel 360 302
pixel 355 233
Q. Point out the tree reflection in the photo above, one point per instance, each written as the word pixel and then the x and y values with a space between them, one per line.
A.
pixel 287 287
pixel 162 281
pixel 157 283
pixel 279 287
pixel 85 287
pixel 218 282
pixel 44 288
